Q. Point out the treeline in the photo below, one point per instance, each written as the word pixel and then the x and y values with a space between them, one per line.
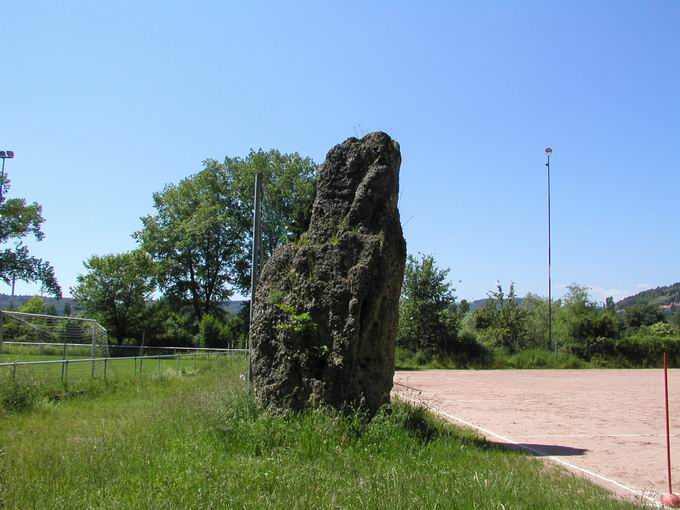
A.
pixel 193 253
pixel 434 324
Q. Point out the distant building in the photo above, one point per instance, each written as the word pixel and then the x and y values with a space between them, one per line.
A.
pixel 670 308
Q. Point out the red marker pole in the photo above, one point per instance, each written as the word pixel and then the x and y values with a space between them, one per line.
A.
pixel 670 499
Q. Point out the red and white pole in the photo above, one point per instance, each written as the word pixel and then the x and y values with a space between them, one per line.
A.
pixel 670 499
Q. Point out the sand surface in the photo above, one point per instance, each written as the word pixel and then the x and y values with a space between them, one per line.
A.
pixel 608 424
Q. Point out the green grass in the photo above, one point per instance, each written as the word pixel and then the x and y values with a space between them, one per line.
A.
pixel 527 359
pixel 22 386
pixel 198 441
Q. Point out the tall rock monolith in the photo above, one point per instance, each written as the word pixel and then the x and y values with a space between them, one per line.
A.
pixel 326 307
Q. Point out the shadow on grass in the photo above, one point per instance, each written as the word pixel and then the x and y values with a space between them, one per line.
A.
pixel 420 423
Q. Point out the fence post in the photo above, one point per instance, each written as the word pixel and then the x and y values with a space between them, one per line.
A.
pixel 14 370
pixel 159 362
pixel 105 360
pixel 177 358
pixel 93 343
pixel 194 365
pixel 66 373
pixel 2 317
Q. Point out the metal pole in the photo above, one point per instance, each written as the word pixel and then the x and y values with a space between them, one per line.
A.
pixel 2 179
pixel 92 350
pixel 550 338
pixel 255 263
pixel 14 280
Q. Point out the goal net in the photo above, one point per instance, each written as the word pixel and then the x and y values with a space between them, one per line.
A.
pixel 47 330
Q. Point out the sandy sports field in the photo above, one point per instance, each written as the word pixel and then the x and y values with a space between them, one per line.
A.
pixel 608 425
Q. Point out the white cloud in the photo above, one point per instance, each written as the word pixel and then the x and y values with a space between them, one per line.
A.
pixel 600 293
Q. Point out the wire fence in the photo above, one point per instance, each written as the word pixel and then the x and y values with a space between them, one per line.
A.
pixel 78 350
pixel 79 370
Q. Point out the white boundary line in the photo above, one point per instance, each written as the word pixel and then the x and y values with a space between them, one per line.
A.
pixel 486 432
pixel 594 435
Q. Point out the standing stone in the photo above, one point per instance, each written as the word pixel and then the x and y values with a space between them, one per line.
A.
pixel 326 307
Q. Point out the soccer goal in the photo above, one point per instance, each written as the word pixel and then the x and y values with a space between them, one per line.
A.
pixel 18 328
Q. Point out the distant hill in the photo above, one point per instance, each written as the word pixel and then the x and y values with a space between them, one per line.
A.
pixel 234 307
pixel 6 301
pixel 479 303
pixel 656 297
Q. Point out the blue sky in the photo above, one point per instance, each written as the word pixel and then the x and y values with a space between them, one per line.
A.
pixel 105 102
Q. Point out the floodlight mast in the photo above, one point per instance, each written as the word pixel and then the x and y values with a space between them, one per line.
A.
pixel 548 152
pixel 4 155
pixel 255 265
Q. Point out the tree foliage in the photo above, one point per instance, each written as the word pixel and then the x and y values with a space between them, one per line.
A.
pixel 428 319
pixel 502 320
pixel 197 238
pixel 583 318
pixel 20 220
pixel 115 290
pixel 289 182
pixel 200 235
pixel 639 315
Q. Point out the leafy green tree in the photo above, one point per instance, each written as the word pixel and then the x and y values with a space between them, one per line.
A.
pixel 427 313
pixel 609 305
pixel 20 220
pixel 661 329
pixel 115 289
pixel 35 304
pixel 636 316
pixel 675 319
pixel 235 329
pixel 67 309
pixel 200 235
pixel 536 308
pixel 210 332
pixel 583 319
pixel 197 238
pixel 502 320
pixel 289 182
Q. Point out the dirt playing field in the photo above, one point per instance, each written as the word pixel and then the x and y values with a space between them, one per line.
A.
pixel 608 425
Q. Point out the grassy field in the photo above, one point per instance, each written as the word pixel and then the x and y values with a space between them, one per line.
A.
pixel 197 440
pixel 21 386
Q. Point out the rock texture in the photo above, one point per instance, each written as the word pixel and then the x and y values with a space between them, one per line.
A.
pixel 326 308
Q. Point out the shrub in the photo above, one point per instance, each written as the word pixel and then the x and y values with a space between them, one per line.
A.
pixel 422 358
pixel 16 394
pixel 661 329
pixel 634 351
pixel 210 332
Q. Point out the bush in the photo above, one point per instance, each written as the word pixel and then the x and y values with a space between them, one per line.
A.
pixel 661 329
pixel 210 332
pixel 538 358
pixel 467 350
pixel 16 394
pixel 422 358
pixel 634 351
